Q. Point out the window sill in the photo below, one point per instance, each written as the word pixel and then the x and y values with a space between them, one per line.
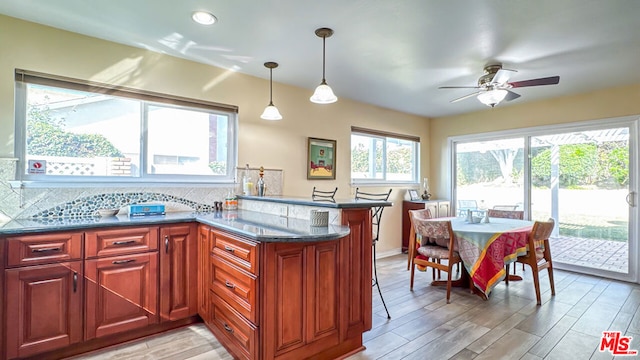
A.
pixel 17 184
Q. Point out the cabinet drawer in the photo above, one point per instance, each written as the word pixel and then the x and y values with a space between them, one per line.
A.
pixel 239 252
pixel 241 333
pixel 43 249
pixel 120 241
pixel 236 287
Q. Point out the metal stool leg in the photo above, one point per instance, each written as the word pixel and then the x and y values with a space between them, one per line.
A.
pixel 375 281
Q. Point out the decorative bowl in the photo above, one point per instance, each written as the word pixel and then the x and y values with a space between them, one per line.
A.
pixel 107 212
pixel 476 219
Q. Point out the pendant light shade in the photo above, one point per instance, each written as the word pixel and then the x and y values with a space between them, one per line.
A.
pixel 271 112
pixel 323 93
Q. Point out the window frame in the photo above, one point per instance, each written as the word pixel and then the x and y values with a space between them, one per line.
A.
pixel 384 136
pixel 146 99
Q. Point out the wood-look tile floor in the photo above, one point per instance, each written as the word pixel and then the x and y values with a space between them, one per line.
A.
pixel 508 325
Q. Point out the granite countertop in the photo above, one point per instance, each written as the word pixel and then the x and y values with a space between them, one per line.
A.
pixel 254 225
pixel 337 203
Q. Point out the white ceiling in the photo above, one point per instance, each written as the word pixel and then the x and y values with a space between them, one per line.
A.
pixel 391 53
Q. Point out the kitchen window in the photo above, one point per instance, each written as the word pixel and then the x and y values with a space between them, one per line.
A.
pixel 70 130
pixel 383 157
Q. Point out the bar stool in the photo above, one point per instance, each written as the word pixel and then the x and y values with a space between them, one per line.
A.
pixel 376 216
pixel 323 195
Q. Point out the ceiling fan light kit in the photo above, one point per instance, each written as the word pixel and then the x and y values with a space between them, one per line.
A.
pixel 271 112
pixel 492 97
pixel 323 94
pixel 493 87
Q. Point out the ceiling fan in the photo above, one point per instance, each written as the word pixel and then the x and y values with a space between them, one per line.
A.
pixel 494 86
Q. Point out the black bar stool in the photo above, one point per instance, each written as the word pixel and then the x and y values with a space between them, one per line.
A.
pixel 323 195
pixel 376 216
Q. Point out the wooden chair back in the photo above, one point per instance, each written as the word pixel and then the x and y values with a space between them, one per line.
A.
pixel 505 207
pixel 538 255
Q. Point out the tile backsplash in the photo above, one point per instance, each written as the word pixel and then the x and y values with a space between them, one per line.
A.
pixel 72 202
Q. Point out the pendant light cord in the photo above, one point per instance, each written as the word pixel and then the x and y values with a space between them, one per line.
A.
pixel 271 87
pixel 324 38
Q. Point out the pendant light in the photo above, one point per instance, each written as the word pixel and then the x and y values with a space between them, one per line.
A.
pixel 323 93
pixel 271 112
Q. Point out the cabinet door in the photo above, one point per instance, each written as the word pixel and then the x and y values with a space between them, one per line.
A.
pixel 178 265
pixel 444 209
pixel 44 309
pixel 433 207
pixel 204 250
pixel 121 293
pixel 302 298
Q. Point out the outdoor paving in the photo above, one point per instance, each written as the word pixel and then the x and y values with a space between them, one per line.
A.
pixel 601 254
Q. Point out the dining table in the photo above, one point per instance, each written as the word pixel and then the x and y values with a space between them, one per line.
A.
pixel 486 247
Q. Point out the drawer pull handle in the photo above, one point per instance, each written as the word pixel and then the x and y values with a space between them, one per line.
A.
pixel 228 328
pixel 75 281
pixel 118 262
pixel 229 285
pixel 125 242
pixel 45 250
pixel 229 249
pixel 166 244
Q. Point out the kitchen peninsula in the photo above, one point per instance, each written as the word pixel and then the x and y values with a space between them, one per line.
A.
pixel 267 284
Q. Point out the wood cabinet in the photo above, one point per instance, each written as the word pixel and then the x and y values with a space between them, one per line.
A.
pixel 204 249
pixel 439 208
pixel 122 288
pixel 290 300
pixel 44 284
pixel 302 311
pixel 96 284
pixel 121 293
pixel 233 287
pixel 178 272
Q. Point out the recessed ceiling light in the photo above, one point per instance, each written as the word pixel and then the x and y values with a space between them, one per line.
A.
pixel 203 17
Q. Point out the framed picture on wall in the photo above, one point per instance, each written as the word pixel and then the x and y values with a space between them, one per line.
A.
pixel 321 159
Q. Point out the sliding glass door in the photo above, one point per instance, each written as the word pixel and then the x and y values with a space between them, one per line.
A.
pixel 581 179
pixel 583 176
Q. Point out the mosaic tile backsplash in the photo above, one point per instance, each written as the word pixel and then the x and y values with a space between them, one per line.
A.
pixel 76 202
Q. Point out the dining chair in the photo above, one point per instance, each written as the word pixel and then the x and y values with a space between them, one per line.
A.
pixel 376 218
pixel 507 214
pixel 323 194
pixel 421 214
pixel 505 207
pixel 538 254
pixel 438 243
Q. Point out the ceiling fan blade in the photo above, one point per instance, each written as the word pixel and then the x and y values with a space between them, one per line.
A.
pixel 553 80
pixel 511 96
pixel 502 76
pixel 466 96
pixel 459 87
